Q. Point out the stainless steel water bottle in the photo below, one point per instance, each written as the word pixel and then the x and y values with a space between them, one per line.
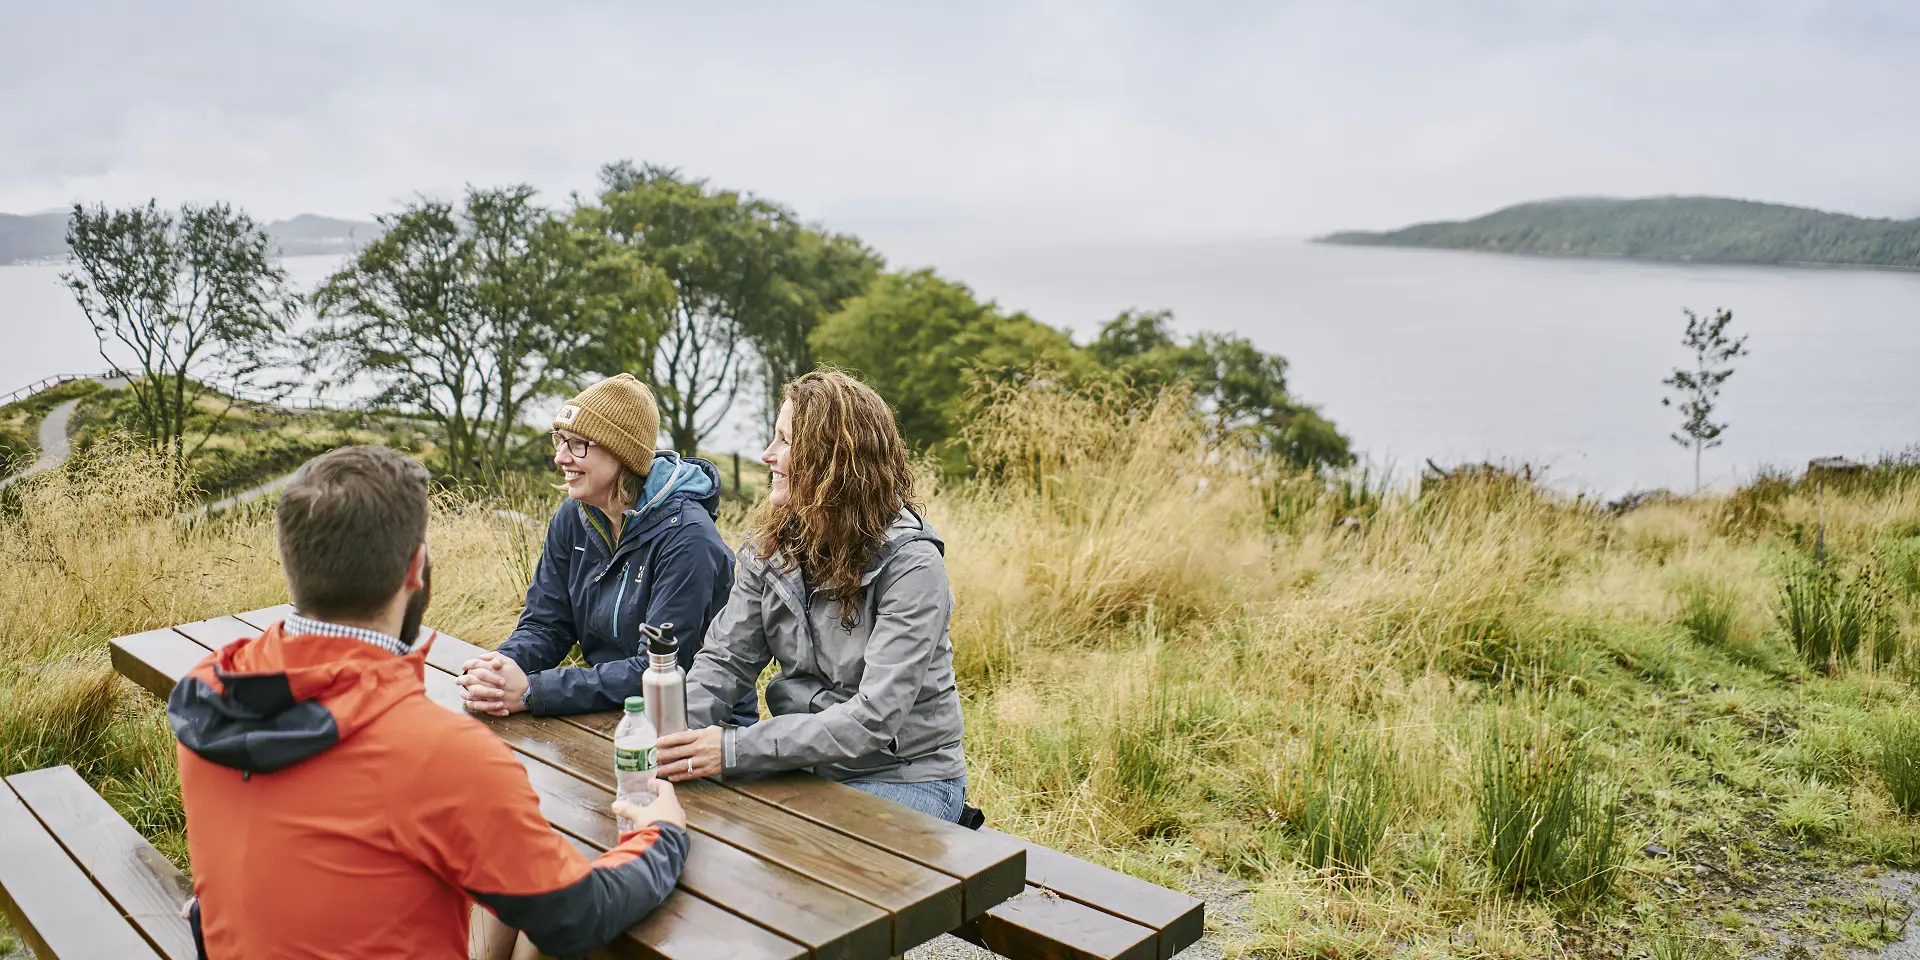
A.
pixel 664 684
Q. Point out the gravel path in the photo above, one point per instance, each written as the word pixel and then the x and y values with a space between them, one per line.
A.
pixel 243 496
pixel 54 445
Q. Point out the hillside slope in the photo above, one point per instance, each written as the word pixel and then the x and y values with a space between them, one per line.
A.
pixel 43 236
pixel 1708 229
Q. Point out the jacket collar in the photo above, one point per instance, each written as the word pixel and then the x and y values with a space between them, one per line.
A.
pixel 265 703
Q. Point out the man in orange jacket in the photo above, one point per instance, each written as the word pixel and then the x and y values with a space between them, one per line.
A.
pixel 332 809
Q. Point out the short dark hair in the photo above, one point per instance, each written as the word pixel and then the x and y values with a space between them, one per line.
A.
pixel 348 524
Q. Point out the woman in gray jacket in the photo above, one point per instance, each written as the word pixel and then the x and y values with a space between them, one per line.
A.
pixel 843 582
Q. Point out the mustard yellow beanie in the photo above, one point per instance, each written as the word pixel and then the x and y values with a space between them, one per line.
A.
pixel 617 413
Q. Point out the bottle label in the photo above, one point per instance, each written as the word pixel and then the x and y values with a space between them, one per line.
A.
pixel 632 761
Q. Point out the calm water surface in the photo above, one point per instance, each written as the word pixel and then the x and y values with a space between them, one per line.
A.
pixel 1414 353
pixel 1558 362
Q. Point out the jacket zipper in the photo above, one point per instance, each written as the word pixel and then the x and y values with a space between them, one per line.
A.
pixel 619 600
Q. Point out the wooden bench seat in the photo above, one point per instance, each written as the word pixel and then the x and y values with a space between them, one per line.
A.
pixel 1075 909
pixel 77 881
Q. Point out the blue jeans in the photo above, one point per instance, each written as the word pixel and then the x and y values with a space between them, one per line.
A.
pixel 935 798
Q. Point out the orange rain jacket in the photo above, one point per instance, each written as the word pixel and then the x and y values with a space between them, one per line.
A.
pixel 334 811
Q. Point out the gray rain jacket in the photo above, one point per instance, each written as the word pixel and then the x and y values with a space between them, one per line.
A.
pixel 877 702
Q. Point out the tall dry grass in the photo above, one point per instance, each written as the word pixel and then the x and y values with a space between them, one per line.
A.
pixel 1182 664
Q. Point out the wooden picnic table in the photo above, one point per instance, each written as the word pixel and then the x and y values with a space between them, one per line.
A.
pixel 788 867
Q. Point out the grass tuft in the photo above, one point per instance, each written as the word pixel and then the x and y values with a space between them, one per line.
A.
pixel 1708 611
pixel 1900 763
pixel 1545 824
pixel 1349 803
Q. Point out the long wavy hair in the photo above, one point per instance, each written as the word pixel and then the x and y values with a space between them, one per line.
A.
pixel 847 478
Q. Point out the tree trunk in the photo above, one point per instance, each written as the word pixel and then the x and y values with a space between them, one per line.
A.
pixel 683 440
pixel 1696 468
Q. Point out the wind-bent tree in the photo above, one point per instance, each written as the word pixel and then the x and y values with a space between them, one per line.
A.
pixel 472 315
pixel 183 304
pixel 749 284
pixel 1238 387
pixel 1698 390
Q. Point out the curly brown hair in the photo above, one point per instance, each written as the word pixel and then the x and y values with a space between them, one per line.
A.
pixel 847 479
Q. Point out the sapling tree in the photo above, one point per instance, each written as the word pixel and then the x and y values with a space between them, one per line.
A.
pixel 1697 390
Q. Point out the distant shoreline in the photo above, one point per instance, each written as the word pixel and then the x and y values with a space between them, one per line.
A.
pixel 1704 230
pixel 1329 240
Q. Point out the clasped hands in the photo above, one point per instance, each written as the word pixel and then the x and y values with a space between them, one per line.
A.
pixel 493 684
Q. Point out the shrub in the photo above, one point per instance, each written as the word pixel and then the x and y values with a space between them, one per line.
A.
pixel 1545 824
pixel 1708 611
pixel 1349 800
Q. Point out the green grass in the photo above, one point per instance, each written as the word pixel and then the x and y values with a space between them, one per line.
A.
pixel 1349 804
pixel 1900 763
pixel 1832 617
pixel 1708 611
pixel 1164 672
pixel 1547 825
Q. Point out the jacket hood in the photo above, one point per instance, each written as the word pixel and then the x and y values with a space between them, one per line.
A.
pixel 908 527
pixel 674 476
pixel 266 703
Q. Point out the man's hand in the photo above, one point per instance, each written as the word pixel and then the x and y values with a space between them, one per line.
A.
pixel 690 754
pixel 665 808
pixel 493 684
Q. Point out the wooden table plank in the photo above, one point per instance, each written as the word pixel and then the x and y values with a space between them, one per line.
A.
pixel 49 900
pixel 924 903
pixel 832 924
pixel 991 867
pixel 217 632
pixel 1179 918
pixel 155 660
pixel 684 927
pixel 146 888
pixel 266 616
pixel 1042 924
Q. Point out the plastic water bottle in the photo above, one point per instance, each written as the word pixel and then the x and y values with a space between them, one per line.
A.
pixel 633 759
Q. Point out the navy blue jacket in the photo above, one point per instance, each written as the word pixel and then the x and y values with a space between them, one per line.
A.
pixel 670 566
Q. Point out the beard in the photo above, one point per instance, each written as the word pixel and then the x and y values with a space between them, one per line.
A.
pixel 417 606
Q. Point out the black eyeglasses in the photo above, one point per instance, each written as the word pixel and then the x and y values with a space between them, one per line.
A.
pixel 576 446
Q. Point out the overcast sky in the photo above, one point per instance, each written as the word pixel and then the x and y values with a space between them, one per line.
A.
pixel 1059 120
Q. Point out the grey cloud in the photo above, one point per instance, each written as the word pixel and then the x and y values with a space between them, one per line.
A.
pixel 1067 118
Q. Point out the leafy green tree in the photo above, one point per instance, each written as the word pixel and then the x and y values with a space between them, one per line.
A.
pixel 819 273
pixel 920 340
pixel 472 315
pixel 749 283
pixel 1698 390
pixel 1241 389
pixel 181 303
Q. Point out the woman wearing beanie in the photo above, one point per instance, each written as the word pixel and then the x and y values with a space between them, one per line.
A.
pixel 634 543
pixel 844 584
